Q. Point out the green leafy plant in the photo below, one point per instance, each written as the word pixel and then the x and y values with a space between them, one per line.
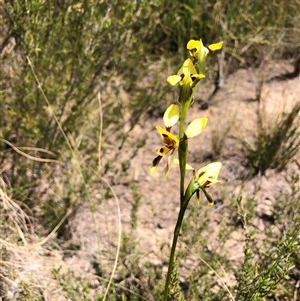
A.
pixel 269 266
pixel 257 279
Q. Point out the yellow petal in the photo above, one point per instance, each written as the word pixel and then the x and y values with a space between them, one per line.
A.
pixel 171 116
pixel 212 170
pixel 187 68
pixel 176 161
pixel 187 166
pixel 215 46
pixel 208 175
pixel 167 168
pixel 193 44
pixel 163 151
pixel 174 79
pixel 196 127
pixel 152 170
pixel 154 165
pixel 203 50
pixel 194 47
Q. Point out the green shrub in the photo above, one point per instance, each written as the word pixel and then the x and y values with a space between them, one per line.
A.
pixel 277 143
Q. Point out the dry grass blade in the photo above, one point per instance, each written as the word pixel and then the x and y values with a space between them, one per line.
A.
pixel 119 239
pixel 100 135
pixel 29 156
pixel 215 272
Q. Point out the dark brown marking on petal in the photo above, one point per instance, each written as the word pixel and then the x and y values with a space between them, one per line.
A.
pixel 205 185
pixel 156 160
pixel 201 174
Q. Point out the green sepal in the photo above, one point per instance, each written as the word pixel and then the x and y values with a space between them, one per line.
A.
pixel 186 94
pixel 192 188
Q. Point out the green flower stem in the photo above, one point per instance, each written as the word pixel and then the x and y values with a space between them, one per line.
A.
pixel 173 248
pixel 182 154
pixel 185 99
pixel 191 189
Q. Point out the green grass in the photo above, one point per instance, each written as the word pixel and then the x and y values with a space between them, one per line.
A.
pixel 276 143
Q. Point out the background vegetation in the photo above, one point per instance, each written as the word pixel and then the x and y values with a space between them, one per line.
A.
pixel 63 62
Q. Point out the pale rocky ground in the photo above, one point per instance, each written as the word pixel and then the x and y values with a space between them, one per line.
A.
pixel 159 203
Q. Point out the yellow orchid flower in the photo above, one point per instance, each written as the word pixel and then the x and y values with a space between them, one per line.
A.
pixel 204 178
pixel 187 74
pixel 196 47
pixel 171 142
pixel 199 52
